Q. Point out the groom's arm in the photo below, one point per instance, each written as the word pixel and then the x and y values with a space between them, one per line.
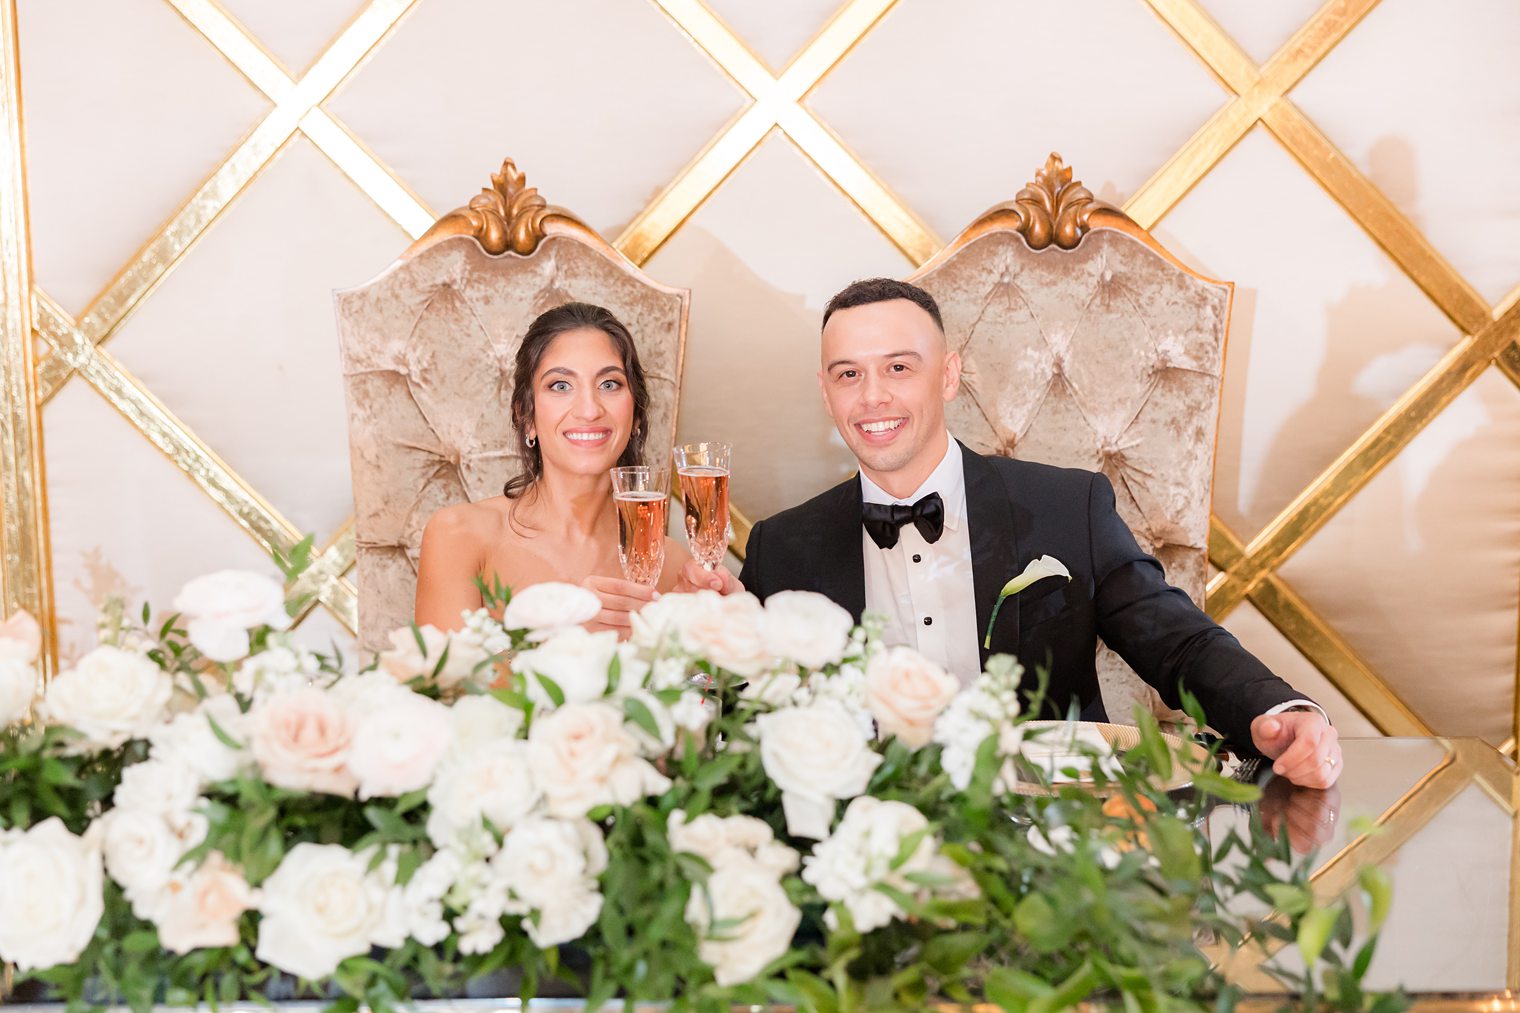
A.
pixel 1167 639
pixel 749 573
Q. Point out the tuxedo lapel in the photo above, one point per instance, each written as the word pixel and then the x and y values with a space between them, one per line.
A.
pixel 994 551
pixel 840 566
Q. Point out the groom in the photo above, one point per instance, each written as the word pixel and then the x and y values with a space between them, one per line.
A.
pixel 929 532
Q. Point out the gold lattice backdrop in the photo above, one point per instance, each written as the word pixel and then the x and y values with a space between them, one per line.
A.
pixel 49 350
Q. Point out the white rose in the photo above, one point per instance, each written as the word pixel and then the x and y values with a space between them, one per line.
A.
pixel 165 786
pixel 583 757
pixel 220 608
pixel 574 660
pixel 201 910
pixel 493 783
pixel 319 907
pixel 807 628
pixel 727 630
pixel 815 755
pixel 397 747
pixel 191 740
pixel 301 740
pixel 140 850
pixel 652 626
pixel 549 868
pixel 479 721
pixel 906 693
pixel 51 895
pixel 18 687
pixel 109 697
pixel 547 608
pixel 459 652
pixel 757 920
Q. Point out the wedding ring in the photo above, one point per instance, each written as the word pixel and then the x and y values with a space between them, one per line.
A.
pixel 1329 761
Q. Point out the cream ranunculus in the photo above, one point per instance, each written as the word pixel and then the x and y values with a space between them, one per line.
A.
pixel 757 920
pixel 319 907
pixel 807 628
pixel 815 755
pixel 549 869
pixel 398 745
pixel 493 782
pixel 574 660
pixel 220 608
pixel 301 740
pixel 191 739
pixel 111 696
pixel 728 631
pixel 583 757
pixel 459 652
pixel 140 850
pixel 547 608
pixel 51 895
pixel 721 840
pixel 906 693
pixel 201 909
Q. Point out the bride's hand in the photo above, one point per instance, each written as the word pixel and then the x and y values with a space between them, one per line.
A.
pixel 620 599
pixel 694 578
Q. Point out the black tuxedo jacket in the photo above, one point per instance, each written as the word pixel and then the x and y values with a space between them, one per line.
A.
pixel 1019 511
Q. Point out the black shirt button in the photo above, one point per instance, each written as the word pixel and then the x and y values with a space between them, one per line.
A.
pixel 928 620
pixel 917 558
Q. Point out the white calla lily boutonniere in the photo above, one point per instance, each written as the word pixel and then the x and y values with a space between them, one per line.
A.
pixel 1037 570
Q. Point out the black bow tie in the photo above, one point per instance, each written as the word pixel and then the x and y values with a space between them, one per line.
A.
pixel 882 520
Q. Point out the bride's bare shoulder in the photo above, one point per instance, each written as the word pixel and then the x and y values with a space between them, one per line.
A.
pixel 469 524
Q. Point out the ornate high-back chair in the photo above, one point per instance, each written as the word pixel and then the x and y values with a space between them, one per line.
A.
pixel 1088 345
pixel 427 352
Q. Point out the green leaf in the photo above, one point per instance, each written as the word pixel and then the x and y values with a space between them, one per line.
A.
pixel 556 695
pixel 949 952
pixel 1173 843
pixel 1378 887
pixel 636 711
pixel 1225 789
pixel 1289 898
pixel 908 846
pixel 615 674
pixel 1037 920
pixel 1013 989
pixel 1314 932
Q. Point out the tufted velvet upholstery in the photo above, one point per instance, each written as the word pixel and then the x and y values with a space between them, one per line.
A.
pixel 427 354
pixel 1106 356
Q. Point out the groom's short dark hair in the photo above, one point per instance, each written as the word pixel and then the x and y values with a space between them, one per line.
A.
pixel 870 290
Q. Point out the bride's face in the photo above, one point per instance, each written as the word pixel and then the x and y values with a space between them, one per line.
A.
pixel 582 407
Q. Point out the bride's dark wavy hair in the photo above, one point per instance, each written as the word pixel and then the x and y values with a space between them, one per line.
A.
pixel 571 316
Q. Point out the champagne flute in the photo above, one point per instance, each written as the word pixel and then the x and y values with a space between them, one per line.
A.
pixel 643 507
pixel 703 470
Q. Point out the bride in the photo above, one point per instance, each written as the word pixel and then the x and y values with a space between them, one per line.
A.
pixel 579 405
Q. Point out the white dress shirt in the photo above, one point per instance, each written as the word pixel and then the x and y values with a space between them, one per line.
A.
pixel 926 591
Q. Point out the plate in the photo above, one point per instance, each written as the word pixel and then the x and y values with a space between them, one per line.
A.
pixel 1122 738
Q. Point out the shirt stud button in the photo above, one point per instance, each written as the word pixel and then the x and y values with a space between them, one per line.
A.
pixel 917 558
pixel 928 620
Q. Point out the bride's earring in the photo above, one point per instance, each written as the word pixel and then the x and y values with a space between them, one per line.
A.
pixel 532 442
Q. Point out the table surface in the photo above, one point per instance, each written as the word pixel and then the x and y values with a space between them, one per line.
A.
pixel 1446 831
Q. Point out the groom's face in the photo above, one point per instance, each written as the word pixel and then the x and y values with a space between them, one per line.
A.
pixel 887 375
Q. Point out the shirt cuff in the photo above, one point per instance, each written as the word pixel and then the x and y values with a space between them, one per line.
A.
pixel 1299 704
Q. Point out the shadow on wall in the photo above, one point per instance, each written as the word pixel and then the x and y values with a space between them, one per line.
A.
pixel 751 378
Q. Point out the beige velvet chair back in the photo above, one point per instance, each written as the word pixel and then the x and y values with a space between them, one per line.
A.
pixel 427 351
pixel 1088 345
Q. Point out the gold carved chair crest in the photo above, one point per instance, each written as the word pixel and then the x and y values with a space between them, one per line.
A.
pixel 427 353
pixel 1088 345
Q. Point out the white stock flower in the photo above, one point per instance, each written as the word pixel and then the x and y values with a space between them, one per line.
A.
pixel 220 608
pixel 989 707
pixel 906 692
pixel 693 712
pixel 319 907
pixel 859 856
pixel 481 720
pixel 111 696
pixel 547 608
pixel 398 745
pixel 549 869
pixel 190 739
pixel 806 628
pixel 756 918
pixel 281 665
pixel 582 756
pixel 20 643
pixel 774 689
pixel 1062 840
pixel 301 740
pixel 815 755
pixel 574 660
pixel 493 782
pixel 459 653
pixel 723 840
pixel 421 899
pixel 201 909
pixel 51 895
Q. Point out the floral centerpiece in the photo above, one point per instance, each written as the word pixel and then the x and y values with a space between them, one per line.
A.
pixel 738 804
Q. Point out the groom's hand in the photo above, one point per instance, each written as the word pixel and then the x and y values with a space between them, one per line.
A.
pixel 1303 746
pixel 695 578
pixel 620 599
